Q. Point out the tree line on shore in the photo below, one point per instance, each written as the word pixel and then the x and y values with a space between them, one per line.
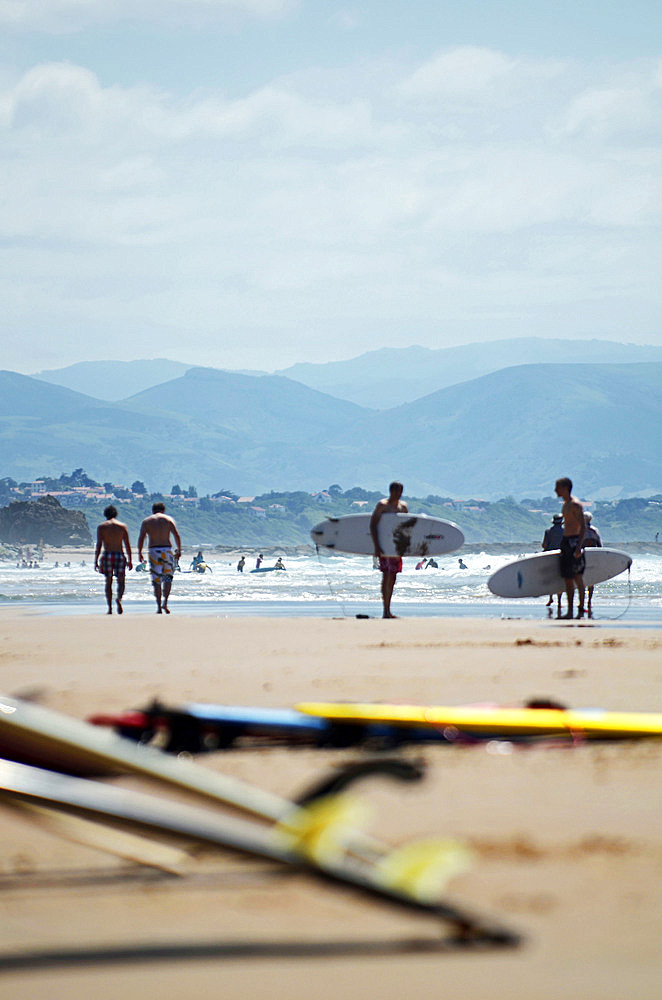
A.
pixel 285 518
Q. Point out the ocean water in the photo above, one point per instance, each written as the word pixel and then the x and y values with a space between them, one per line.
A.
pixel 327 585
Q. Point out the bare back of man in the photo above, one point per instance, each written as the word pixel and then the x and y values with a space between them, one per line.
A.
pixel 158 529
pixel 390 566
pixel 113 537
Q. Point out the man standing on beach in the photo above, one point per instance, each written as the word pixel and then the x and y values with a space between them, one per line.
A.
pixel 552 540
pixel 114 537
pixel 572 553
pixel 390 566
pixel 592 540
pixel 162 560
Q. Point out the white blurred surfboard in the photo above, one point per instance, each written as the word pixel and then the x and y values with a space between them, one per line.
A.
pixel 539 575
pixel 399 535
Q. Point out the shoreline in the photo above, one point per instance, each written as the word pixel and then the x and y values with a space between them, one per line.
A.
pixel 325 610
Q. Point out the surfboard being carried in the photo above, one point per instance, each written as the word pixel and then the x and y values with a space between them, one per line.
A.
pixel 399 535
pixel 536 576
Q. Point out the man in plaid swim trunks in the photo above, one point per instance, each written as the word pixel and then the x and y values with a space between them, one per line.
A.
pixel 114 537
pixel 390 566
pixel 162 559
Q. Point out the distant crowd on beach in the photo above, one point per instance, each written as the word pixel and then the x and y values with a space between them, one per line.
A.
pixel 570 533
pixel 113 556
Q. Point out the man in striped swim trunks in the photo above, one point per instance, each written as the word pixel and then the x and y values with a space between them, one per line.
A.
pixel 114 537
pixel 162 558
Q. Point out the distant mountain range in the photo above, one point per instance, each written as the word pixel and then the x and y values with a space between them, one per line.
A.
pixel 113 380
pixel 391 376
pixel 379 379
pixel 512 431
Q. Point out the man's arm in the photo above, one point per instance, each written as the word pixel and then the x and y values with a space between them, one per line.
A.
pixel 127 545
pixel 178 541
pixel 374 521
pixel 582 522
pixel 97 551
pixel 141 539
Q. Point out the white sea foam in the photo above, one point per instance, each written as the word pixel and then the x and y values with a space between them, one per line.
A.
pixel 328 583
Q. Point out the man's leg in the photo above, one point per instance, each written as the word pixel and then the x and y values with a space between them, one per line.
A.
pixel 388 583
pixel 121 583
pixel 579 582
pixel 109 592
pixel 589 608
pixel 570 594
pixel 167 586
pixel 156 583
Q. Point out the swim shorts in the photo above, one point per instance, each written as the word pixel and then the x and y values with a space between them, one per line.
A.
pixel 161 563
pixel 390 564
pixel 569 565
pixel 112 563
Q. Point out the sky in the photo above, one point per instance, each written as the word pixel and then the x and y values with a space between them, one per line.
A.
pixel 248 184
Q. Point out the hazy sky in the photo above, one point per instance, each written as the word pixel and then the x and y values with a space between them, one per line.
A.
pixel 250 183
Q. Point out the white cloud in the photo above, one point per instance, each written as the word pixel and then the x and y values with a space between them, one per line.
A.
pixel 128 208
pixel 603 112
pixel 462 72
pixel 62 16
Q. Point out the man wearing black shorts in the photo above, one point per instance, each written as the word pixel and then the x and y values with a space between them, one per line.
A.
pixel 573 562
pixel 114 536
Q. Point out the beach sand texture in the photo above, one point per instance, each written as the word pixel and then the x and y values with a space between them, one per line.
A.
pixel 567 840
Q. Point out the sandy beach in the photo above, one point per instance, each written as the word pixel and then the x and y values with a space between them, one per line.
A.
pixel 566 839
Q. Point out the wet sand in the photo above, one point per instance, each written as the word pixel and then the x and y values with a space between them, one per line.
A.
pixel 567 839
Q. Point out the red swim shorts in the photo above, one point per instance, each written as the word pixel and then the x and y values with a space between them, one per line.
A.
pixel 390 564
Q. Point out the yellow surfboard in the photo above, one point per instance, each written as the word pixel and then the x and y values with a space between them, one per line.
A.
pixel 485 721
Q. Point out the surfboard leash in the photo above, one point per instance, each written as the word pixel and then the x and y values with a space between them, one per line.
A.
pixel 615 618
pixel 334 597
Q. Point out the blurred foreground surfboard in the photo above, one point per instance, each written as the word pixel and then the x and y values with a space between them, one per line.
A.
pixel 487 721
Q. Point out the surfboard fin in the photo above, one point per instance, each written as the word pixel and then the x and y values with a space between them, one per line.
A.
pixel 423 868
pixel 322 830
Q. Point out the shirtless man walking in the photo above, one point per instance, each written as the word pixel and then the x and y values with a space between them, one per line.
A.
pixel 572 554
pixel 114 537
pixel 390 566
pixel 162 560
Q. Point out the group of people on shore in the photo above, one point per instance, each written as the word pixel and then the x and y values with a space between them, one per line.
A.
pixel 571 532
pixel 160 531
pixel 113 555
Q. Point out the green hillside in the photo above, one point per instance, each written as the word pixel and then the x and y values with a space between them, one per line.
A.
pixel 284 519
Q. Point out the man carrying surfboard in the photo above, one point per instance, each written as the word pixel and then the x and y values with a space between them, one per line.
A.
pixel 572 554
pixel 390 566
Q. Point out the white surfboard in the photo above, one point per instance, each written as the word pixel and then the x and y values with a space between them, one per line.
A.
pixel 536 576
pixel 399 535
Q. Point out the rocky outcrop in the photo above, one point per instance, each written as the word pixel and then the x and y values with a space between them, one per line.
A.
pixel 44 520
